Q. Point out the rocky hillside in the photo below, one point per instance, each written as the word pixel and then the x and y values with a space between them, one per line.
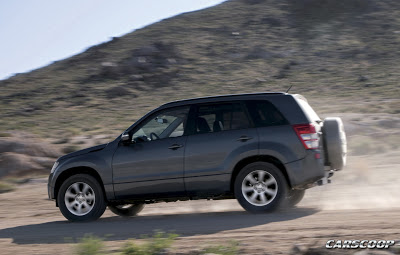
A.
pixel 22 154
pixel 342 55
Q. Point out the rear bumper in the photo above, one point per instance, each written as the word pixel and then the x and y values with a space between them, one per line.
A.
pixel 324 180
pixel 304 172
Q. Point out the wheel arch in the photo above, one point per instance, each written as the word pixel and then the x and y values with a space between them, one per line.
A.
pixel 258 158
pixel 73 171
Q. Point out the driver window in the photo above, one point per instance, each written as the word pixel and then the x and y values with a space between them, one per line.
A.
pixel 164 124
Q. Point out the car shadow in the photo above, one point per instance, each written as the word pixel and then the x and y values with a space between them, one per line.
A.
pixel 118 228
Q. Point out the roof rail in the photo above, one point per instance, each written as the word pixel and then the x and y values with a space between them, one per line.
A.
pixel 228 95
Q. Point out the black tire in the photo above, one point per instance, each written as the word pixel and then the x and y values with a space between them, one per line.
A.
pixel 271 202
pixel 98 203
pixel 126 210
pixel 335 143
pixel 295 196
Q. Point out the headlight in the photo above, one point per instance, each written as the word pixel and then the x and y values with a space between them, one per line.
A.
pixel 54 166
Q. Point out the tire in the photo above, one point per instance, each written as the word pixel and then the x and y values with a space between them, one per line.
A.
pixel 335 143
pixel 81 198
pixel 294 197
pixel 260 197
pixel 126 210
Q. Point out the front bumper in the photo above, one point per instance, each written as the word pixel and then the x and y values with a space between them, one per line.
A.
pixel 50 188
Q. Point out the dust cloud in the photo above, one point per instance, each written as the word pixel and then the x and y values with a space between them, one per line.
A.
pixel 368 182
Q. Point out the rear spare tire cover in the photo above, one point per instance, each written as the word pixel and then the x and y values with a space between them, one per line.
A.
pixel 335 142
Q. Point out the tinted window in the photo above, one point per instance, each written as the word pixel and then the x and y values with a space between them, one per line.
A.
pixel 308 110
pixel 164 124
pixel 220 117
pixel 264 114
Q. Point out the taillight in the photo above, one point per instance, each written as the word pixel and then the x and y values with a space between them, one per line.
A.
pixel 308 136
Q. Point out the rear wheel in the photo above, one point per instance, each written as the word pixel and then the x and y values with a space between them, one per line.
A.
pixel 127 210
pixel 295 196
pixel 260 187
pixel 81 198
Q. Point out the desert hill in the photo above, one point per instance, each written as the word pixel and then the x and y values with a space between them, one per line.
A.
pixel 342 55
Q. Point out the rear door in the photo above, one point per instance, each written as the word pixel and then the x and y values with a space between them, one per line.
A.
pixel 221 135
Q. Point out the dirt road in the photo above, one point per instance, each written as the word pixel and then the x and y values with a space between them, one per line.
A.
pixel 363 202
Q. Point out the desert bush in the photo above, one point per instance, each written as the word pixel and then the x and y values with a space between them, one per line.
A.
pixel 230 249
pixel 155 245
pixel 61 141
pixel 323 10
pixel 79 142
pixel 116 92
pixel 70 148
pixel 90 245
pixel 16 180
pixel 6 187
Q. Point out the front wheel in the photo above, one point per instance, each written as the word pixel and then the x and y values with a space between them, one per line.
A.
pixel 81 198
pixel 260 187
pixel 127 210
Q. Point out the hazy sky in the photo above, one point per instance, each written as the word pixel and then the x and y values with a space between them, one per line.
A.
pixel 35 33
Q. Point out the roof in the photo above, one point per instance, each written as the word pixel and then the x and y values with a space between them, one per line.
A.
pixel 222 98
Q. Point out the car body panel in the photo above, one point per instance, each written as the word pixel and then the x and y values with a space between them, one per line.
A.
pixel 211 154
pixel 305 171
pixel 149 163
pixel 94 158
pixel 203 166
pixel 280 142
pixel 84 151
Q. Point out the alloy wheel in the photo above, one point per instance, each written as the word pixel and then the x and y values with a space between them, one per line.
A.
pixel 79 198
pixel 259 188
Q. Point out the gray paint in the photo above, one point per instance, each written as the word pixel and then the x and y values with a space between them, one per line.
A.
pixel 203 166
pixel 149 162
pixel 305 171
pixel 212 154
pixel 280 142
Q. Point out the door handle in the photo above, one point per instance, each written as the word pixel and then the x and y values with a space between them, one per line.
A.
pixel 175 146
pixel 244 138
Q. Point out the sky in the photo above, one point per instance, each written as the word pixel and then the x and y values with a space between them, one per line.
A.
pixel 35 33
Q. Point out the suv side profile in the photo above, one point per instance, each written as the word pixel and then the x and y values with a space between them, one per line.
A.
pixel 263 149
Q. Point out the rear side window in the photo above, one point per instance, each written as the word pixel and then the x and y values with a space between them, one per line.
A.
pixel 265 114
pixel 220 117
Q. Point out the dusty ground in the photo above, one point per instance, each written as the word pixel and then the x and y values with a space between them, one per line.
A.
pixel 363 202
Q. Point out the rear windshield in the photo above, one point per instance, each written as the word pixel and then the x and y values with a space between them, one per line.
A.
pixel 311 114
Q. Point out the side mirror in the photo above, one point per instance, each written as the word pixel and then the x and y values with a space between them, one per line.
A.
pixel 161 120
pixel 140 139
pixel 125 137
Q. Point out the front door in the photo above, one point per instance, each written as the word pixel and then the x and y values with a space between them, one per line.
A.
pixel 152 164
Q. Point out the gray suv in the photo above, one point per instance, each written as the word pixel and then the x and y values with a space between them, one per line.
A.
pixel 263 149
